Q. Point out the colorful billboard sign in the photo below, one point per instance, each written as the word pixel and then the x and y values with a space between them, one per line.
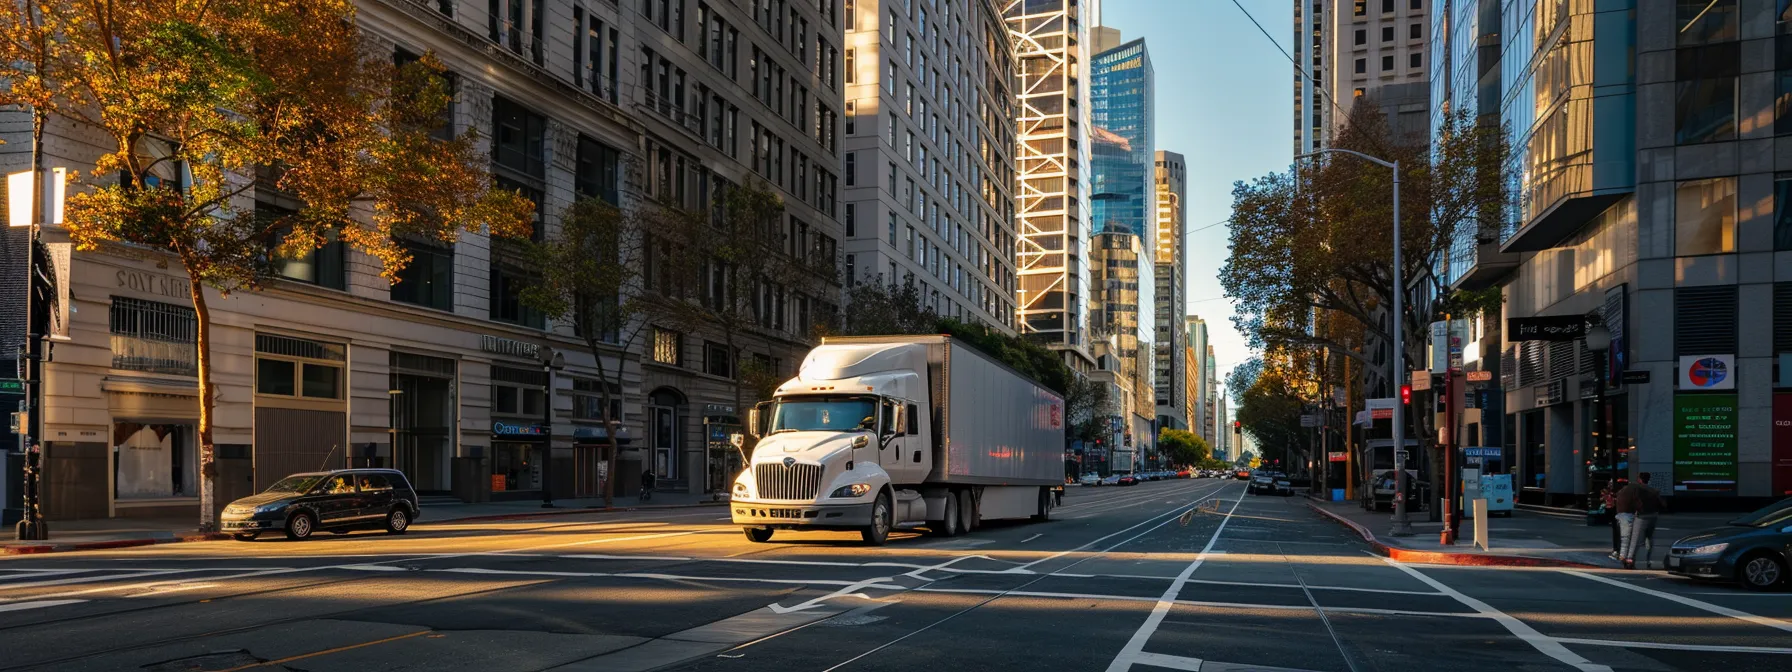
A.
pixel 1705 443
pixel 1708 372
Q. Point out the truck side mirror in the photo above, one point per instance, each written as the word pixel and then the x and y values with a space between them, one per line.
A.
pixel 752 424
pixel 899 424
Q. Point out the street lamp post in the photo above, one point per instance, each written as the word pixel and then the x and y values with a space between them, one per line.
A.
pixel 1402 526
pixel 551 361
pixel 1599 340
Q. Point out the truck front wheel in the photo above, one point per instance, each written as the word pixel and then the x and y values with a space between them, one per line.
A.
pixel 758 535
pixel 878 532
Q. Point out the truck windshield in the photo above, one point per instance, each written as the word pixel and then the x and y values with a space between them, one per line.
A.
pixel 824 413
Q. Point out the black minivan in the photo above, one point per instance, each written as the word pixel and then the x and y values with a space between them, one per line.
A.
pixel 339 501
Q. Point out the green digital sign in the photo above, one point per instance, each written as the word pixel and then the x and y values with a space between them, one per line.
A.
pixel 1705 443
pixel 12 386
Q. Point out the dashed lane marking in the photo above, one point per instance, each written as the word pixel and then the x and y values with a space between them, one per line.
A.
pixel 1130 655
pixel 38 604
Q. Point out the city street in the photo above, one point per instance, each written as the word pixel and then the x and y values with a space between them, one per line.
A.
pixel 1167 575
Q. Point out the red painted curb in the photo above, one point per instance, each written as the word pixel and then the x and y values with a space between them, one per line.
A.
pixel 131 543
pixel 1440 558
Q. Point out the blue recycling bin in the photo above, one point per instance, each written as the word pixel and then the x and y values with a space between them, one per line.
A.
pixel 1337 494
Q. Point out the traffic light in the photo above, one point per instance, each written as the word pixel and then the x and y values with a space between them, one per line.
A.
pixel 1405 394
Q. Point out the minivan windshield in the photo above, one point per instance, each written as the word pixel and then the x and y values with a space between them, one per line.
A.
pixel 1777 513
pixel 299 483
pixel 824 413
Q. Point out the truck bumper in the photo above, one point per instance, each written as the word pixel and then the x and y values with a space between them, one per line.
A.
pixel 787 516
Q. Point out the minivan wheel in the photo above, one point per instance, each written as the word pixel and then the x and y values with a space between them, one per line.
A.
pixel 398 520
pixel 300 526
pixel 1761 572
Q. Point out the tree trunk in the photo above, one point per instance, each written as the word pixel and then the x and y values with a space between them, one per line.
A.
pixel 207 399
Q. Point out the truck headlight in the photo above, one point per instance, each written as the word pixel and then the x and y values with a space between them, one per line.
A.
pixel 1709 549
pixel 740 490
pixel 854 490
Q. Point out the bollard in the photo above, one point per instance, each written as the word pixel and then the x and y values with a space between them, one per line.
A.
pixel 1480 505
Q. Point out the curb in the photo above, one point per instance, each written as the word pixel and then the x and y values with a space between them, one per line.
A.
pixel 37 549
pixel 1440 558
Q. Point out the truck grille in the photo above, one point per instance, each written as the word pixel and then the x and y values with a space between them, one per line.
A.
pixel 796 481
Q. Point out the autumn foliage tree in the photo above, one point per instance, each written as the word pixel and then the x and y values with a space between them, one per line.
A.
pixel 203 103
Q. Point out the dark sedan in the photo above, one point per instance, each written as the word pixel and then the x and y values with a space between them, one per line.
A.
pixel 1753 550
pixel 339 501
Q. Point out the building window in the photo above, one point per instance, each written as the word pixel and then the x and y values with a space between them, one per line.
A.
pixel 429 279
pixel 1705 93
pixel 154 337
pixel 596 166
pixel 519 392
pixel 1705 21
pixel 1782 219
pixel 293 367
pixel 507 284
pixel 1413 32
pixel 321 266
pixel 1705 217
pixel 1415 60
pixel 1782 101
pixel 1416 5
pixel 588 401
pixel 716 361
pixel 1362 37
pixel 668 346
pixel 852 169
pixel 1387 33
pixel 1387 6
pixel 1362 66
pixel 1387 63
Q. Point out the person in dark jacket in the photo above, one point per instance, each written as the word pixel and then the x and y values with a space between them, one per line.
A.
pixel 647 482
pixel 1643 505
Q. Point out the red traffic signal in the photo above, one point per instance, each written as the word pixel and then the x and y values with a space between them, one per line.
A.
pixel 1405 394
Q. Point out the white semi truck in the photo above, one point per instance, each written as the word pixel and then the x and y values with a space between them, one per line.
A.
pixel 880 433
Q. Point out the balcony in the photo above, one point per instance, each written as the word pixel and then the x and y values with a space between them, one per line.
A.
pixel 1486 265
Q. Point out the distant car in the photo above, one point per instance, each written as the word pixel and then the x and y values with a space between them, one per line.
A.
pixel 1242 474
pixel 1112 479
pixel 339 501
pixel 1185 474
pixel 1283 486
pixel 1089 479
pixel 1127 479
pixel 1753 550
pixel 1261 484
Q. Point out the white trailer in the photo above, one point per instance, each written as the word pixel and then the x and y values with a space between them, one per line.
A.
pixel 878 433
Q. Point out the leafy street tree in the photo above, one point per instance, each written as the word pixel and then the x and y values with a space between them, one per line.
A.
pixel 892 308
pixel 1183 447
pixel 201 104
pixel 745 267
pixel 590 276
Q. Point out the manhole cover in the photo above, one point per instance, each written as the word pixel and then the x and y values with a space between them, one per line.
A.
pixel 217 660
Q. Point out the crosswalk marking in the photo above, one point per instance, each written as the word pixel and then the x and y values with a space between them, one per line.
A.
pixel 39 604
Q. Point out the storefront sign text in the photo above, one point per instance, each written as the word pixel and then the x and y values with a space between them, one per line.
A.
pixel 1549 328
pixel 508 429
pixel 1705 443
pixel 509 346
pixel 144 282
pixel 1708 372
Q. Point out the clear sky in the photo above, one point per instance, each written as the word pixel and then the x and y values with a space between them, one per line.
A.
pixel 1225 102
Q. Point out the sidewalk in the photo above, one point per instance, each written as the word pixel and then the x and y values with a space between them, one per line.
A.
pixel 1529 537
pixel 101 533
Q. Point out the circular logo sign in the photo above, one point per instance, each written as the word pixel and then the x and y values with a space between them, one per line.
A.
pixel 1707 372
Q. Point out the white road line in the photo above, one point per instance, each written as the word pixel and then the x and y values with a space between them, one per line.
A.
pixel 1168 661
pixel 39 604
pixel 1248 584
pixel 1036 536
pixel 1158 520
pixel 645 575
pixel 1548 645
pixel 95 579
pixel 1675 646
pixel 1135 646
pixel 1697 604
pixel 35 573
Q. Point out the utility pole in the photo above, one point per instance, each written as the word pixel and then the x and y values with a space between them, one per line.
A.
pixel 31 525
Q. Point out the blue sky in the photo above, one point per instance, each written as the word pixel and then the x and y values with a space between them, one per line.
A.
pixel 1225 102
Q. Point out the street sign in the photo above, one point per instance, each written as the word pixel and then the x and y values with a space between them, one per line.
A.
pixel 1380 408
pixel 1421 381
pixel 1636 377
pixel 12 386
pixel 1549 328
pixel 1337 457
pixel 18 422
pixel 1482 376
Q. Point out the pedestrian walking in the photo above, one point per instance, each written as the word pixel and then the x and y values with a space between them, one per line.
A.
pixel 1623 505
pixel 1645 505
pixel 1607 501
pixel 647 482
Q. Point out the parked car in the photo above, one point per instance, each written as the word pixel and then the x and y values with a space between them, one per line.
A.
pixel 1261 483
pixel 1089 479
pixel 1127 479
pixel 339 501
pixel 1112 479
pixel 1185 474
pixel 1752 550
pixel 1242 474
pixel 1283 486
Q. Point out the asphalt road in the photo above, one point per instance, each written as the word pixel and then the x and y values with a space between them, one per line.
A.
pixel 1181 575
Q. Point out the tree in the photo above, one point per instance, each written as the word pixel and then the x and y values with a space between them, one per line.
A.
pixel 1183 447
pixel 888 308
pixel 201 104
pixel 1269 407
pixel 745 266
pixel 590 276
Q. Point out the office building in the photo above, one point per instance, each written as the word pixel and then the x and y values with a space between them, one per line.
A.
pixel 930 147
pixel 1346 51
pixel 1049 38
pixel 441 375
pixel 1200 399
pixel 1169 240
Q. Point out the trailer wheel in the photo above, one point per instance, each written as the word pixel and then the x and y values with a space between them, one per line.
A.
pixel 1045 505
pixel 758 535
pixel 967 511
pixel 949 525
pixel 878 532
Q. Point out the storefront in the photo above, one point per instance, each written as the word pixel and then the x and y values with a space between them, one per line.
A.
pixel 722 459
pixel 516 459
pixel 423 415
